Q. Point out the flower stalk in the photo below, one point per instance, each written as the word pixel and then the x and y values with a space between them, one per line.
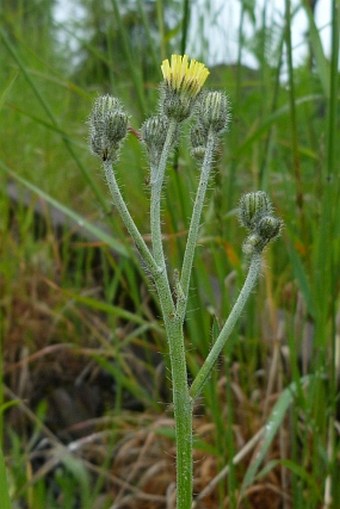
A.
pixel 209 363
pixel 156 183
pixel 128 221
pixel 195 224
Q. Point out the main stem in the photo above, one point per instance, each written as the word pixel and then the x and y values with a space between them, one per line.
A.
pixel 174 332
pixel 182 401
pixel 183 415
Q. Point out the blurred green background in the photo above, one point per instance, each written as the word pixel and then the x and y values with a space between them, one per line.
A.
pixel 85 418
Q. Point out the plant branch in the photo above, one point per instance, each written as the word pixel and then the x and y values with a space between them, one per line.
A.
pixel 209 363
pixel 157 180
pixel 195 223
pixel 129 223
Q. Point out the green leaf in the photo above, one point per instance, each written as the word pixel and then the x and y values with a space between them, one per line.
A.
pixel 5 502
pixel 7 90
pixel 301 276
pixel 274 421
pixel 322 63
pixel 9 404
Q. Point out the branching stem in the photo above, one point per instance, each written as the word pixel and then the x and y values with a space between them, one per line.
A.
pixel 129 223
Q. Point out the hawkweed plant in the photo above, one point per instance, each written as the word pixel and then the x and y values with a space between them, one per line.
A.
pixel 181 97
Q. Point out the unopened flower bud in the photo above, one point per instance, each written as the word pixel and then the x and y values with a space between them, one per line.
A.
pixel 269 227
pixel 253 206
pixel 108 126
pixel 198 140
pixel 213 111
pixel 256 215
pixel 153 134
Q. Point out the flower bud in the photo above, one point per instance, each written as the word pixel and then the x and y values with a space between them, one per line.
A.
pixel 269 227
pixel 256 214
pixel 213 112
pixel 252 207
pixel 153 134
pixel 198 140
pixel 108 126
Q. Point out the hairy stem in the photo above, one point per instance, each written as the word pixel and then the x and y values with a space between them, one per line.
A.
pixel 174 332
pixel 129 223
pixel 248 286
pixel 157 180
pixel 182 404
pixel 173 325
pixel 195 223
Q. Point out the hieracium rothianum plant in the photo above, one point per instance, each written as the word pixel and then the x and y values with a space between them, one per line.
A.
pixel 181 98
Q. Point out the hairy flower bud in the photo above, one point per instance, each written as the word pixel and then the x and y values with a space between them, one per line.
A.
pixel 252 207
pixel 269 227
pixel 153 134
pixel 198 141
pixel 213 112
pixel 108 126
pixel 256 214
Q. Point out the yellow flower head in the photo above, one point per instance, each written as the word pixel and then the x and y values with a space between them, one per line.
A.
pixel 183 76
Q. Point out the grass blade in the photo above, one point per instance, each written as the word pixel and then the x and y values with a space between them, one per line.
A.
pixel 7 89
pixel 275 420
pixel 78 220
pixel 322 63
pixel 5 502
pixel 86 174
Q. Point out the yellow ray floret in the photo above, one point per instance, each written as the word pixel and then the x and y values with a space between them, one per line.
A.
pixel 184 76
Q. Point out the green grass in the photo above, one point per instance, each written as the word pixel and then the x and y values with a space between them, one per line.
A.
pixel 283 139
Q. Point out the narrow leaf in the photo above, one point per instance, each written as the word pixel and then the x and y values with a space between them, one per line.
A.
pixel 78 220
pixel 274 421
pixel 5 502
